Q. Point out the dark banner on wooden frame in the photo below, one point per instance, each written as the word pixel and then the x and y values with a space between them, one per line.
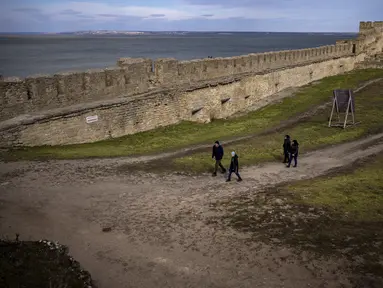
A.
pixel 342 99
pixel 343 103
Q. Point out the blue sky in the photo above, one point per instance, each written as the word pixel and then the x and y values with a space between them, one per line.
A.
pixel 189 15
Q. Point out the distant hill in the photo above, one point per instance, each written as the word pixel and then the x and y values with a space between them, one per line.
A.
pixel 116 32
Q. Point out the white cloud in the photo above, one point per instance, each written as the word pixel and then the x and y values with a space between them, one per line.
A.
pixel 182 11
pixel 94 9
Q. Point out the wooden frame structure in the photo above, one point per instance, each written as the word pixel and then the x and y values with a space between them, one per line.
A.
pixel 343 103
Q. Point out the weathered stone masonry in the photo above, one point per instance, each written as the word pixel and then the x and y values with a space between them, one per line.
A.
pixel 141 94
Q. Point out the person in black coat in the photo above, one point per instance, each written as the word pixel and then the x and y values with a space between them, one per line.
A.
pixel 218 155
pixel 286 148
pixel 234 166
pixel 294 151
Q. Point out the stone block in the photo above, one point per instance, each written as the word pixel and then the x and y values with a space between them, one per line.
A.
pixel 143 65
pixel 71 88
pixel 13 97
pixel 115 82
pixel 166 71
pixel 227 64
pixel 213 68
pixel 95 84
pixel 274 60
pixel 42 92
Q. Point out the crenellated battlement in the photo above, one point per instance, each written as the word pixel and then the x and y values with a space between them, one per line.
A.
pixel 132 76
pixel 368 28
pixel 363 25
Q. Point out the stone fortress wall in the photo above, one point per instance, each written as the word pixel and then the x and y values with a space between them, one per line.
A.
pixel 137 76
pixel 369 26
pixel 142 94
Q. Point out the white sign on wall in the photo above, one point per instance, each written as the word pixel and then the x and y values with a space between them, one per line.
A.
pixel 91 119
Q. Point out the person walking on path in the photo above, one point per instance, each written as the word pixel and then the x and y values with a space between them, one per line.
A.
pixel 286 148
pixel 218 155
pixel 294 151
pixel 234 166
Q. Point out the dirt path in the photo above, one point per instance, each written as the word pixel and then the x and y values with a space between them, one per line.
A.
pixel 159 235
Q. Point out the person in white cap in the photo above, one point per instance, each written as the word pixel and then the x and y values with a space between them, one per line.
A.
pixel 234 167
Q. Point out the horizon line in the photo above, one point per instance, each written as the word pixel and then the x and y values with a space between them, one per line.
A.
pixel 178 31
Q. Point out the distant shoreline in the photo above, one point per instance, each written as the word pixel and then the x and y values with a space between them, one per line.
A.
pixel 143 33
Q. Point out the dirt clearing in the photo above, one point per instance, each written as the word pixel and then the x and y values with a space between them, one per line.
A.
pixel 159 230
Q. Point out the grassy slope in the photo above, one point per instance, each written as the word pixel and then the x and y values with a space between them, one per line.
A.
pixel 357 195
pixel 353 201
pixel 311 134
pixel 186 134
pixel 338 215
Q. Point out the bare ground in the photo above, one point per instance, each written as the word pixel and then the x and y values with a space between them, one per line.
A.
pixel 164 231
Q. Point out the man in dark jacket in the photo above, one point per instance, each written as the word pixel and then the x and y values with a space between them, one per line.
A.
pixel 294 150
pixel 218 155
pixel 234 166
pixel 286 148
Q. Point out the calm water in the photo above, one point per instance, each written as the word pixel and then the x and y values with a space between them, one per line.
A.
pixel 26 55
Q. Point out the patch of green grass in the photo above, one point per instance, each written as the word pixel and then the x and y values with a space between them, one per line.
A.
pixel 358 194
pixel 187 133
pixel 339 215
pixel 311 134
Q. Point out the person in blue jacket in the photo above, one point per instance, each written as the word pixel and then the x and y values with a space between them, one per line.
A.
pixel 218 155
pixel 234 166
